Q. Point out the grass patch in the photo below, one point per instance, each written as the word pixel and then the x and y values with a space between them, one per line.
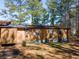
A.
pixel 55 44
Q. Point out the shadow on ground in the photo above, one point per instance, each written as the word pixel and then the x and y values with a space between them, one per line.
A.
pixel 71 51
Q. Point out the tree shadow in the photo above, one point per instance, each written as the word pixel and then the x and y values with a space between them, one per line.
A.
pixel 9 52
pixel 67 50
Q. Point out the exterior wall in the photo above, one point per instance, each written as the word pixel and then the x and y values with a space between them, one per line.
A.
pixel 18 35
pixel 41 35
pixel 11 35
pixel 7 35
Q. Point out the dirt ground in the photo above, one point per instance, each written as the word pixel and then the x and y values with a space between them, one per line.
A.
pixel 40 51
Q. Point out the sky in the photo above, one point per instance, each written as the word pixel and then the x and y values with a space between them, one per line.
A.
pixel 1 7
pixel 1 4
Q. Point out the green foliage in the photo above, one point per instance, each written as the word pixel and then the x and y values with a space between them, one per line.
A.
pixel 58 9
pixel 35 9
pixel 72 13
pixel 17 7
pixel 23 8
pixel 44 17
pixel 52 6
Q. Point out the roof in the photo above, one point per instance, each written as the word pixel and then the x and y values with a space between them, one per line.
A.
pixel 33 27
pixel 4 23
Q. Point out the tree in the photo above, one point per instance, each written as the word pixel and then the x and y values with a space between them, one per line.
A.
pixel 65 7
pixel 59 8
pixel 73 16
pixel 45 18
pixel 77 18
pixel 16 10
pixel 52 7
pixel 20 9
pixel 35 9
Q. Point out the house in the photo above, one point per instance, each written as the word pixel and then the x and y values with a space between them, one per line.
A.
pixel 18 34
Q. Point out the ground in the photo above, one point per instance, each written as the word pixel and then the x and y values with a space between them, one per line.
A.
pixel 40 51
